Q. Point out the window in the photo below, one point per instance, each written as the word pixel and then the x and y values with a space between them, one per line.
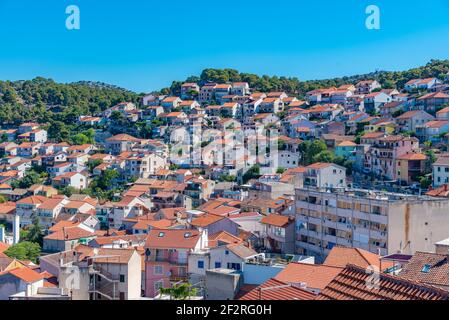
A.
pixel 226 252
pixel 217 264
pixel 158 285
pixel 200 264
pixel 426 268
pixel 122 278
pixel 158 270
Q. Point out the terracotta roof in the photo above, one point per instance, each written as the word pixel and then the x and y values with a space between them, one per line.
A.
pixel 26 274
pixel 436 123
pixel 442 191
pixel 426 267
pixel 442 160
pixel 347 144
pixel 69 233
pixel 342 256
pixel 319 165
pixel 206 220
pixel 276 220
pixel 116 256
pixel 312 275
pixel 373 135
pixel 50 204
pixel 222 236
pixel 409 114
pixel 3 247
pixel 7 208
pixel 172 238
pixel 123 137
pixel 351 284
pixel 33 200
pixel 277 290
pixel 171 213
pixel 412 156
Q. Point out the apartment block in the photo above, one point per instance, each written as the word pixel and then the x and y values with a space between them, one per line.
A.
pixel 378 222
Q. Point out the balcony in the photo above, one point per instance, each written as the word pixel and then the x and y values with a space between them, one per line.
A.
pixel 380 235
pixel 379 218
pixel 309 247
pixel 347 213
pixel 344 226
pixel 316 221
pixel 307 205
pixel 344 242
pixel 330 238
pixel 309 233
pixel 361 215
pixel 329 223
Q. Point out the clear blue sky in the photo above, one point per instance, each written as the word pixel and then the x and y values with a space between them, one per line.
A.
pixel 145 44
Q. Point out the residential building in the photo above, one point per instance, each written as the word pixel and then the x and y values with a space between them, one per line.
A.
pixel 378 222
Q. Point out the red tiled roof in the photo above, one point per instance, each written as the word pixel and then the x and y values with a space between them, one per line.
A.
pixel 351 284
pixel 342 256
pixel 26 274
pixel 206 220
pixel 277 290
pixel 70 233
pixel 437 273
pixel 172 238
pixel 276 220
pixel 313 275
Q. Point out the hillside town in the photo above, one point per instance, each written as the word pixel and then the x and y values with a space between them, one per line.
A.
pixel 232 194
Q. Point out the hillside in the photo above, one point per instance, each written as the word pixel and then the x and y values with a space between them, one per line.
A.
pixel 33 99
pixel 45 100
pixel 388 79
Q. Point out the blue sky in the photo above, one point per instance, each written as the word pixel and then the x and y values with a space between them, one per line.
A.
pixel 145 44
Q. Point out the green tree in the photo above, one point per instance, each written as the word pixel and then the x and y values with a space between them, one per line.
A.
pixel 58 131
pixel 31 178
pixel 34 232
pixel 24 250
pixel 324 156
pixel 280 170
pixel 179 291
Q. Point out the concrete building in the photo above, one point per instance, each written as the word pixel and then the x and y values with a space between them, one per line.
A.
pixel 378 222
pixel 222 284
pixel 325 175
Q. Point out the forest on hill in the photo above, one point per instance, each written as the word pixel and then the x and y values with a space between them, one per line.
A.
pixel 47 101
pixel 293 86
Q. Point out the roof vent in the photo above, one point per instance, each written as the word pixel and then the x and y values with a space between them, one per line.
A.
pixel 187 235
pixel 161 234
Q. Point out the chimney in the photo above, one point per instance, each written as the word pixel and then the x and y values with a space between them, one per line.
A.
pixel 16 229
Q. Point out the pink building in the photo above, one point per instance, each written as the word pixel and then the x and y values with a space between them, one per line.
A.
pixel 166 257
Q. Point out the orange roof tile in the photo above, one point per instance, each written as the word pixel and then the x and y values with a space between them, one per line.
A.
pixel 277 290
pixel 314 276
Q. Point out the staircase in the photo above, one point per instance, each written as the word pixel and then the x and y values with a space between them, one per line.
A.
pixel 107 287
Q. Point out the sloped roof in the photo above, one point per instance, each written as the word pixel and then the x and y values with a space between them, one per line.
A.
pixel 276 220
pixel 277 290
pixel 342 256
pixel 436 274
pixel 241 250
pixel 351 284
pixel 313 275
pixel 172 238
pixel 26 274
